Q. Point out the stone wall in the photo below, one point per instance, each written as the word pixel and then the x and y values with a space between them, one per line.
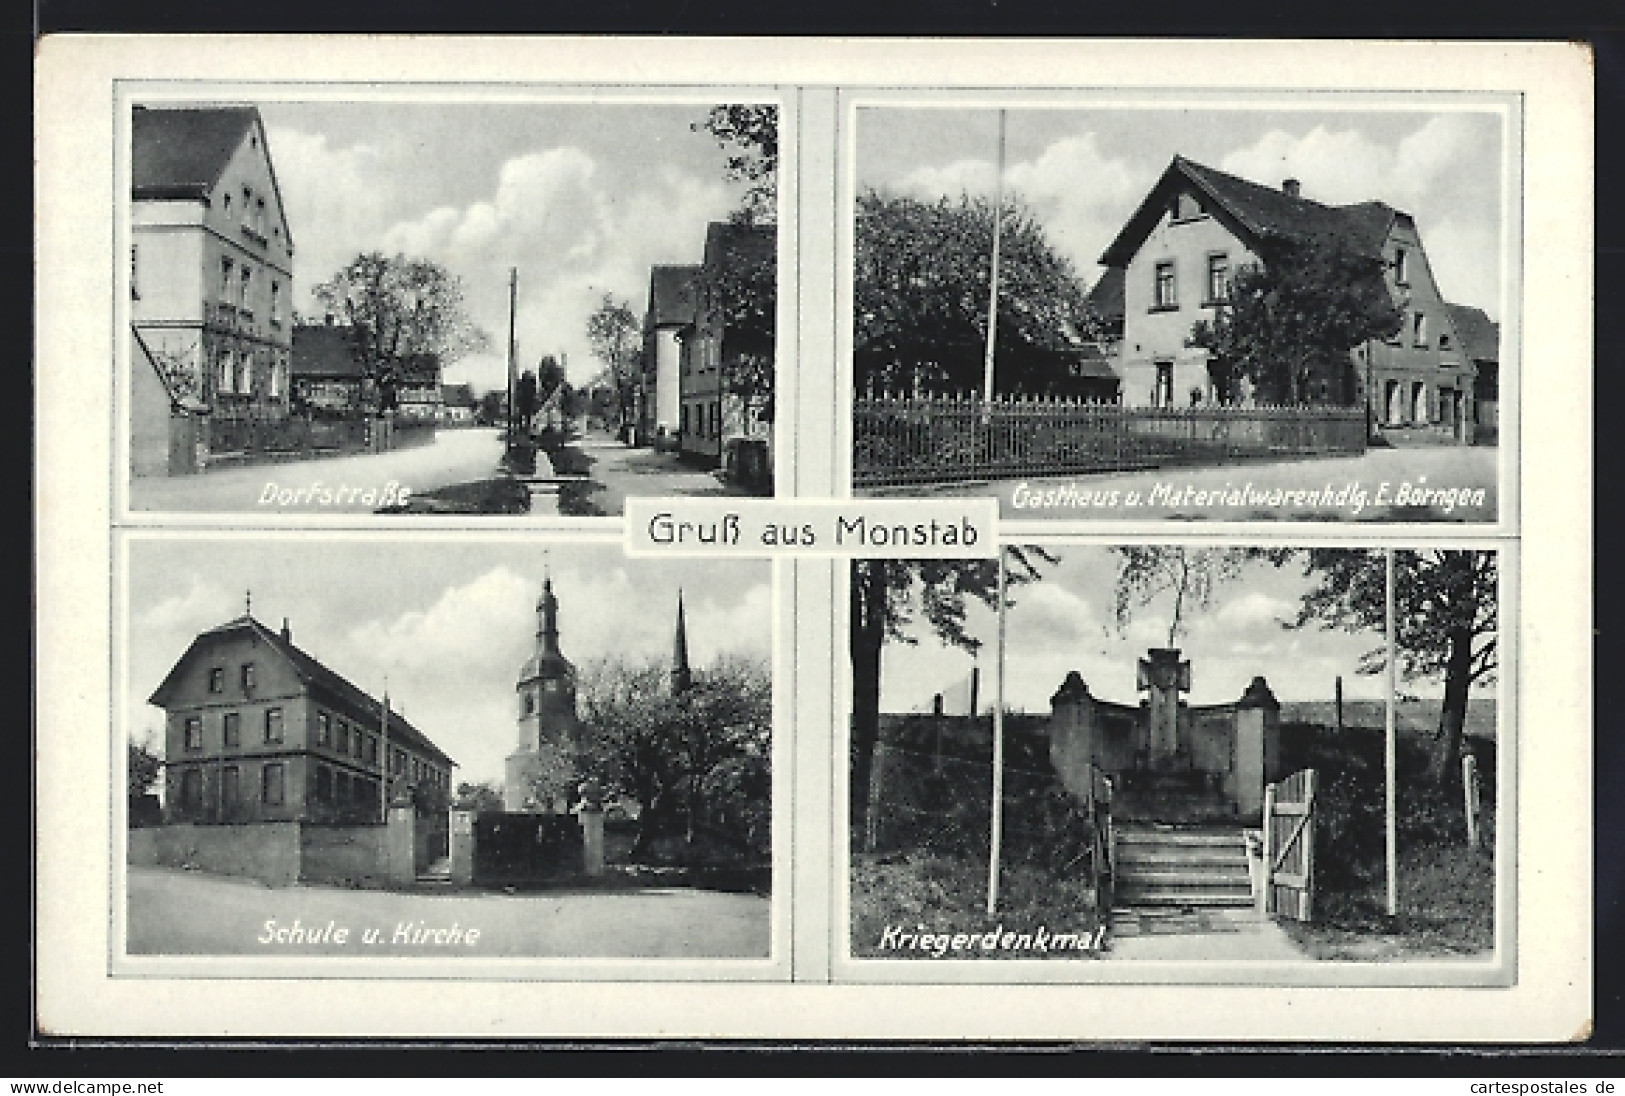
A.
pixel 346 856
pixel 267 851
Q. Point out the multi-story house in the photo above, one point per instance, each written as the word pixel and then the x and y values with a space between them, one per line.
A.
pixel 211 266
pixel 670 314
pixel 722 399
pixel 1197 226
pixel 256 730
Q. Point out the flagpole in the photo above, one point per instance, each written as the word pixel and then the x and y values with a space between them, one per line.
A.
pixel 993 274
pixel 997 839
pixel 1389 746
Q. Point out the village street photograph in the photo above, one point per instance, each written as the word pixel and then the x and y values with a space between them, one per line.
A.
pixel 467 307
pixel 1178 753
pixel 1197 311
pixel 370 746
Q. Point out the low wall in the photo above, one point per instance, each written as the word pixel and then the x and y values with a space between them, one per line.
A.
pixel 267 851
pixel 345 856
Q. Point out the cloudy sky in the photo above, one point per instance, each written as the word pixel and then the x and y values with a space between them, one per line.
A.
pixel 1085 171
pixel 448 624
pixel 1065 622
pixel 581 197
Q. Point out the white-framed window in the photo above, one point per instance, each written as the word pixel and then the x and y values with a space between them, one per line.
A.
pixel 1218 277
pixel 192 732
pixel 273 725
pixel 232 729
pixel 271 784
pixel 245 299
pixel 1402 266
pixel 1419 329
pixel 1419 402
pixel 227 286
pixel 324 729
pixel 1166 289
pixel 276 303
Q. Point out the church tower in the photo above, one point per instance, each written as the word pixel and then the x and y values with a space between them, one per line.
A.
pixel 540 774
pixel 682 679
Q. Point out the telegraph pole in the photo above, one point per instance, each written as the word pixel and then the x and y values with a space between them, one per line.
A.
pixel 1391 837
pixel 995 849
pixel 513 302
pixel 993 275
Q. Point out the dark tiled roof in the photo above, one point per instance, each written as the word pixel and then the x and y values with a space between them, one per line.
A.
pixel 671 295
pixel 358 704
pixel 1480 337
pixel 419 369
pixel 1107 295
pixel 1259 212
pixel 324 350
pixel 181 153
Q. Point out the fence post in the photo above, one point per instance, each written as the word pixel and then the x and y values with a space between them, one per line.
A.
pixel 1470 797
pixel 1266 897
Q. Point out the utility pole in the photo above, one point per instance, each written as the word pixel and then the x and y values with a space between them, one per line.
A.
pixel 993 276
pixel 995 849
pixel 1392 840
pixel 513 301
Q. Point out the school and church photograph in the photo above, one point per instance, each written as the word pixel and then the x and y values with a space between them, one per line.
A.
pixel 566 752
pixel 1251 300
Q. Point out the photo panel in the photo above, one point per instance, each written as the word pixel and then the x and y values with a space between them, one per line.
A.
pixel 1188 306
pixel 501 303
pixel 367 755
pixel 1171 763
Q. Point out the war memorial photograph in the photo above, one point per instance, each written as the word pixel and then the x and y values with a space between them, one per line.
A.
pixel 1205 309
pixel 446 749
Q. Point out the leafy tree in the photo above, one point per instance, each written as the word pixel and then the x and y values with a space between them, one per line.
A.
pixel 398 307
pixel 750 134
pixel 740 298
pixel 146 764
pixel 1445 622
pixel 1147 572
pixel 1294 318
pixel 921 280
pixel 490 407
pixel 524 400
pixel 616 337
pixel 483 798
pixel 886 596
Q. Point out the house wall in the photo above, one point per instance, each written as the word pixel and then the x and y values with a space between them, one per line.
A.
pixel 668 396
pixel 1152 333
pixel 700 415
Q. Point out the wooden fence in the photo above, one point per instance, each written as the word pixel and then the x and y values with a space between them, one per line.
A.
pixel 1289 847
pixel 945 439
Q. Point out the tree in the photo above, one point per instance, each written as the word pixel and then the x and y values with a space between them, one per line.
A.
pixel 1294 318
pixel 482 798
pixel 921 286
pixel 750 134
pixel 397 308
pixel 616 338
pixel 885 597
pixel 145 766
pixel 741 301
pixel 1146 572
pixel 1445 622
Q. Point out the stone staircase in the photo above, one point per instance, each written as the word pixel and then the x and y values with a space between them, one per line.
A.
pixel 1181 866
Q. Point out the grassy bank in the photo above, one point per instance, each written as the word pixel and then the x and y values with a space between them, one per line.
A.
pixel 499 495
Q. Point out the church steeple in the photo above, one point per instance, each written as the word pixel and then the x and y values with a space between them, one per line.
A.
pixel 681 677
pixel 547 621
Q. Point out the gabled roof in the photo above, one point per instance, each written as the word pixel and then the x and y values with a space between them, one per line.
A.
pixel 1255 213
pixel 181 153
pixel 672 300
pixel 324 350
pixel 315 675
pixel 1480 336
pixel 1107 294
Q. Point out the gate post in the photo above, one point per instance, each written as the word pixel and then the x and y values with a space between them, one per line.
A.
pixel 461 847
pixel 398 844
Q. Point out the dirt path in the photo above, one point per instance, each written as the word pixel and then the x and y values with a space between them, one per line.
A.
pixel 1217 934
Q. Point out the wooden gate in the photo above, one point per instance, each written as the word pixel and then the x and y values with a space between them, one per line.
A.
pixel 1289 846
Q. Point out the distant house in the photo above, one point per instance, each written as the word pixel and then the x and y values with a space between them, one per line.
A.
pixel 256 730
pixel 1197 226
pixel 671 312
pixel 712 409
pixel 328 376
pixel 1480 341
pixel 417 388
pixel 457 404
pixel 211 280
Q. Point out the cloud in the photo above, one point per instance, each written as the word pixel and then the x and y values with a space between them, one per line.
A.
pixel 1254 609
pixel 202 605
pixel 1047 615
pixel 332 197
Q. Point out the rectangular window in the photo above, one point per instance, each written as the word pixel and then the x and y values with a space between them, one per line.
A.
pixel 1419 330
pixel 342 787
pixel 276 303
pixel 343 742
pixel 231 791
pixel 372 749
pixel 1218 277
pixel 1402 267
pixel 397 762
pixel 259 216
pixel 324 729
pixel 192 789
pixel 217 680
pixel 227 285
pixel 234 729
pixel 248 678
pixel 1164 394
pixel 1419 403
pixel 273 725
pixel 324 784
pixel 271 784
pixel 360 743
pixel 246 298
pixel 193 733
pixel 1166 291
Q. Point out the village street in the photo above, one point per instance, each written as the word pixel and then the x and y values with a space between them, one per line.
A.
pixel 618 470
pixel 175 912
pixel 1205 493
pixel 456 456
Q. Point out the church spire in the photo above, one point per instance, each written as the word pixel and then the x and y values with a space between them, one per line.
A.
pixel 681 678
pixel 547 619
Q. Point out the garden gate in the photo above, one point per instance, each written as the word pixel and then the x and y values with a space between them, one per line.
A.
pixel 1289 846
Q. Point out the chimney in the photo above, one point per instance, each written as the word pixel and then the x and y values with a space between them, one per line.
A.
pixel 287 632
pixel 936 704
pixel 1290 187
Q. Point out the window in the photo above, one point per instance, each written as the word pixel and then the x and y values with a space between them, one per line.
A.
pixel 1419 330
pixel 271 784
pixel 233 729
pixel 343 744
pixel 227 286
pixel 1218 277
pixel 231 791
pixel 248 678
pixel 1163 395
pixel 192 789
pixel 273 725
pixel 1402 271
pixel 225 205
pixel 529 703
pixel 1419 403
pixel 324 729
pixel 1394 403
pixel 1444 340
pixel 259 216
pixel 193 733
pixel 342 788
pixel 360 743
pixel 1184 207
pixel 682 424
pixel 1166 292
pixel 324 784
pixel 397 763
pixel 372 749
pixel 217 680
pixel 248 207
pixel 245 295
pixel 276 303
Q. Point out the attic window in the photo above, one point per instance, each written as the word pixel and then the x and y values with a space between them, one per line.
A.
pixel 1184 207
pixel 1402 274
